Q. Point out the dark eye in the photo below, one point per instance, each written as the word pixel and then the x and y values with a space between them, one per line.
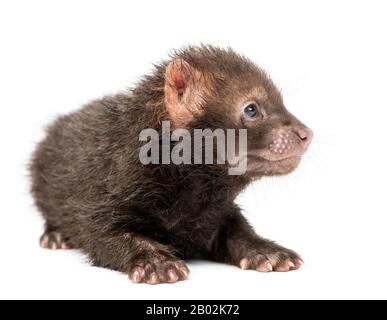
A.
pixel 251 110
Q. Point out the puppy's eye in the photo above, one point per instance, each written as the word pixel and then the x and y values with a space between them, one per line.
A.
pixel 251 110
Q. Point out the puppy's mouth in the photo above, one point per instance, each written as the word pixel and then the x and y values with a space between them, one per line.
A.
pixel 282 154
pixel 265 166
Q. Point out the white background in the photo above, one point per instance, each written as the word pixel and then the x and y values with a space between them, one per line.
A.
pixel 329 58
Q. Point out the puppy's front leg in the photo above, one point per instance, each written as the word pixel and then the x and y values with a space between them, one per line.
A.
pixel 143 259
pixel 242 247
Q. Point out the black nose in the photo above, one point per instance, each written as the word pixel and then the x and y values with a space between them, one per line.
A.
pixel 305 135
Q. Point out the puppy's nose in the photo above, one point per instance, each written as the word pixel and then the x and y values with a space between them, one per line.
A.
pixel 305 135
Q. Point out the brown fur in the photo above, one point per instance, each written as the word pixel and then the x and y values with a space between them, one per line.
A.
pixel 93 191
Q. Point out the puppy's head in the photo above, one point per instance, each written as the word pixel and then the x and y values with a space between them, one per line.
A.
pixel 215 88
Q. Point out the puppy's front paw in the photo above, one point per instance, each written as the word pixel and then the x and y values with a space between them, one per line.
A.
pixel 272 258
pixel 157 271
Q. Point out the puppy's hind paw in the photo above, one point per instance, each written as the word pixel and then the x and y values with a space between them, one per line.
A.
pixel 53 241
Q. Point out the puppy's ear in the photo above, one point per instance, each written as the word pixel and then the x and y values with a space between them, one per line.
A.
pixel 185 91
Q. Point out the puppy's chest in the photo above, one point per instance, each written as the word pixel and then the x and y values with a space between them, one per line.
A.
pixel 194 228
pixel 192 214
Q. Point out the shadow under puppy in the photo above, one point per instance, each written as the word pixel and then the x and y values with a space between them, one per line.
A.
pixel 144 220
